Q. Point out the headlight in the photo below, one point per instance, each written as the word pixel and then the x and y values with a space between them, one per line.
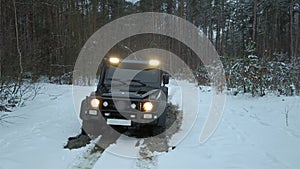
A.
pixel 95 103
pixel 147 106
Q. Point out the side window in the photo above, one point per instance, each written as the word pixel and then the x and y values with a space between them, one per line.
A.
pixel 100 72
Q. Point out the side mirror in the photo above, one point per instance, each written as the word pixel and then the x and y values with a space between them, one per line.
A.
pixel 166 79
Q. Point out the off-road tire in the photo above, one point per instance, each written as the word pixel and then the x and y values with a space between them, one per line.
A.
pixel 92 128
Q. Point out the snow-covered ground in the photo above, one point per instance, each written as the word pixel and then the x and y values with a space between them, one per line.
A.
pixel 252 134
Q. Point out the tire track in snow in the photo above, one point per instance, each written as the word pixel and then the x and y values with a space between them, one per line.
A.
pixel 275 160
pixel 147 163
pixel 149 147
pixel 152 146
pixel 94 151
pixel 88 159
pixel 148 152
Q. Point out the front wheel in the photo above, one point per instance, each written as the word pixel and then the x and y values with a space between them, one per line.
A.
pixel 92 128
pixel 161 127
pixel 159 131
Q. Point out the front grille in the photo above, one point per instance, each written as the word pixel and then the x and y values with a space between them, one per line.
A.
pixel 110 105
pixel 119 105
pixel 114 115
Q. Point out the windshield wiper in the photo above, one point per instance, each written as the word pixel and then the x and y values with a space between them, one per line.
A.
pixel 141 83
pixel 138 81
pixel 117 80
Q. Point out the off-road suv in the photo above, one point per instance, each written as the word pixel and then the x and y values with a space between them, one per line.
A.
pixel 130 94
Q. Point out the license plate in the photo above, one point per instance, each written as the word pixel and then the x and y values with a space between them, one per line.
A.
pixel 120 122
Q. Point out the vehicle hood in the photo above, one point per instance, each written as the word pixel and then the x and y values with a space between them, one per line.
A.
pixel 131 95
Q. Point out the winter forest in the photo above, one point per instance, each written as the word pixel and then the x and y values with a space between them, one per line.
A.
pixel 157 112
pixel 258 40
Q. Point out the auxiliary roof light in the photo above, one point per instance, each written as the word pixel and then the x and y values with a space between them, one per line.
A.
pixel 154 62
pixel 114 60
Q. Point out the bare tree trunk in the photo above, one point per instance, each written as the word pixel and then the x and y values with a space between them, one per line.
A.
pixel 291 28
pixel 210 26
pixel 275 32
pixel 18 85
pixel 254 21
pixel 297 26
pixel 234 45
pixel 218 34
pixel 1 39
pixel 0 63
pixel 223 35
pixel 18 43
pixel 95 11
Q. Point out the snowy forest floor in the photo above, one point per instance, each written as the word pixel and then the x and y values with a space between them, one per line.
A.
pixel 253 133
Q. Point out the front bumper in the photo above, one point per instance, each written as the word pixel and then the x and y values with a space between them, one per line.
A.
pixel 123 119
pixel 120 112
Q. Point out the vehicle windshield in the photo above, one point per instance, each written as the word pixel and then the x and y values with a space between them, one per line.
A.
pixel 136 77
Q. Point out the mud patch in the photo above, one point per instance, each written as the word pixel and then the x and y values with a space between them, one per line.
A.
pixel 160 143
pixel 78 141
pixel 147 163
pixel 174 119
pixel 154 144
pixel 94 147
pixel 151 146
pixel 88 158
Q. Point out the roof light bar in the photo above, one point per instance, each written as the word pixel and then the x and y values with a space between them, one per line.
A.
pixel 114 60
pixel 154 62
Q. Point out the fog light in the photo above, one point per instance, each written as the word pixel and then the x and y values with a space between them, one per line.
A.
pixel 147 116
pixel 106 114
pixel 132 116
pixel 105 104
pixel 133 106
pixel 93 112
pixel 155 117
